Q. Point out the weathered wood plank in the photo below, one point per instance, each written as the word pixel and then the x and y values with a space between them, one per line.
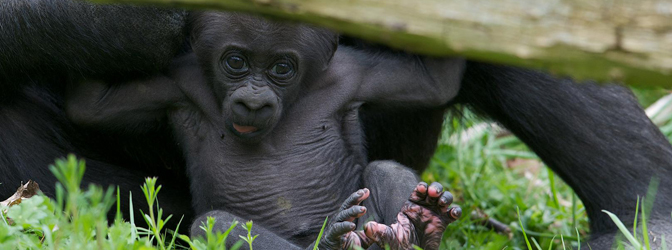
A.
pixel 621 40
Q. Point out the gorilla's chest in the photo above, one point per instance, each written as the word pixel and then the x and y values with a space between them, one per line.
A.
pixel 291 192
pixel 288 183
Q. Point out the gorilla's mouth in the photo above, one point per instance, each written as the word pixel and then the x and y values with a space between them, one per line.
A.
pixel 244 129
pixel 248 132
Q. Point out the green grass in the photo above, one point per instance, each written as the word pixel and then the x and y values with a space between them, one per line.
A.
pixel 499 175
pixel 496 174
pixel 77 219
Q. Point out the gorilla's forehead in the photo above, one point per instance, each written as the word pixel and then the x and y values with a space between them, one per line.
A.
pixel 268 40
pixel 258 33
pixel 214 33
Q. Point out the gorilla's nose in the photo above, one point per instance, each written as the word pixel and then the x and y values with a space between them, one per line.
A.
pixel 258 110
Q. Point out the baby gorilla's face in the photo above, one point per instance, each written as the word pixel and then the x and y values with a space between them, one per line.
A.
pixel 257 66
pixel 255 91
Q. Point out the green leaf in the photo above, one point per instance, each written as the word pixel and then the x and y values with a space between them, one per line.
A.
pixel 623 230
pixel 319 236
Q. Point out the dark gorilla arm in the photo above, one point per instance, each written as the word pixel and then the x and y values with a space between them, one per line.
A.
pixel 139 105
pixel 86 39
pixel 396 79
pixel 133 107
pixel 597 138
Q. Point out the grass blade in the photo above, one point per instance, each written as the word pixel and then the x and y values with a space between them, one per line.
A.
pixel 536 244
pixel 319 236
pixel 623 230
pixel 578 237
pixel 520 222
pixel 645 230
pixel 550 245
pixel 663 244
pixel 634 227
pixel 554 192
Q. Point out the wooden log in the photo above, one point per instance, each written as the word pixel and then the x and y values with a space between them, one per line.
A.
pixel 605 40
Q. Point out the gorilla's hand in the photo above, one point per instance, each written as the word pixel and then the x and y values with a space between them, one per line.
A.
pixel 421 222
pixel 340 233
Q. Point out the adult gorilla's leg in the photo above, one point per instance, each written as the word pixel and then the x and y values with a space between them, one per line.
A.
pixel 597 138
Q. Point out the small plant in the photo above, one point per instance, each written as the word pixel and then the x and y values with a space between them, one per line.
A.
pixel 249 239
pixel 213 240
pixel 156 222
pixel 77 219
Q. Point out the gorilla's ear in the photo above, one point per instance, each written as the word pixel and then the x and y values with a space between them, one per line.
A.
pixel 327 43
pixel 320 44
pixel 334 47
pixel 194 27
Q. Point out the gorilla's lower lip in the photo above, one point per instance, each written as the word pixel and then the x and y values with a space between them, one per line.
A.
pixel 244 129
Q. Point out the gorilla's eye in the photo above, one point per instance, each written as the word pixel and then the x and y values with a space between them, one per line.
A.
pixel 281 69
pixel 236 64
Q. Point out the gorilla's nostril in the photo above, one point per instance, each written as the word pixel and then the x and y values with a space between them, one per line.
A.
pixel 265 112
pixel 241 109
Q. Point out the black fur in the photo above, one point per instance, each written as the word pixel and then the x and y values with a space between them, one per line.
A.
pixel 595 137
pixel 48 43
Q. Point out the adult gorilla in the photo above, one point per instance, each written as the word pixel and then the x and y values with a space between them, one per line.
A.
pixel 48 43
pixel 596 138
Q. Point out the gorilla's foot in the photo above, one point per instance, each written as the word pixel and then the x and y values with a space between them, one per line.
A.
pixel 421 221
pixel 340 233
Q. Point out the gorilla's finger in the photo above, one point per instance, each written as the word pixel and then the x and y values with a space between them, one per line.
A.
pixel 445 200
pixel 350 214
pixel 434 192
pixel 338 229
pixel 355 198
pixel 419 193
pixel 359 237
pixel 380 233
pixel 454 213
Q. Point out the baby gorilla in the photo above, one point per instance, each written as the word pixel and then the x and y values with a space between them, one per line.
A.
pixel 266 114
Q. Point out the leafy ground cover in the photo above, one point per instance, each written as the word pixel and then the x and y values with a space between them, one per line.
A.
pixel 490 172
